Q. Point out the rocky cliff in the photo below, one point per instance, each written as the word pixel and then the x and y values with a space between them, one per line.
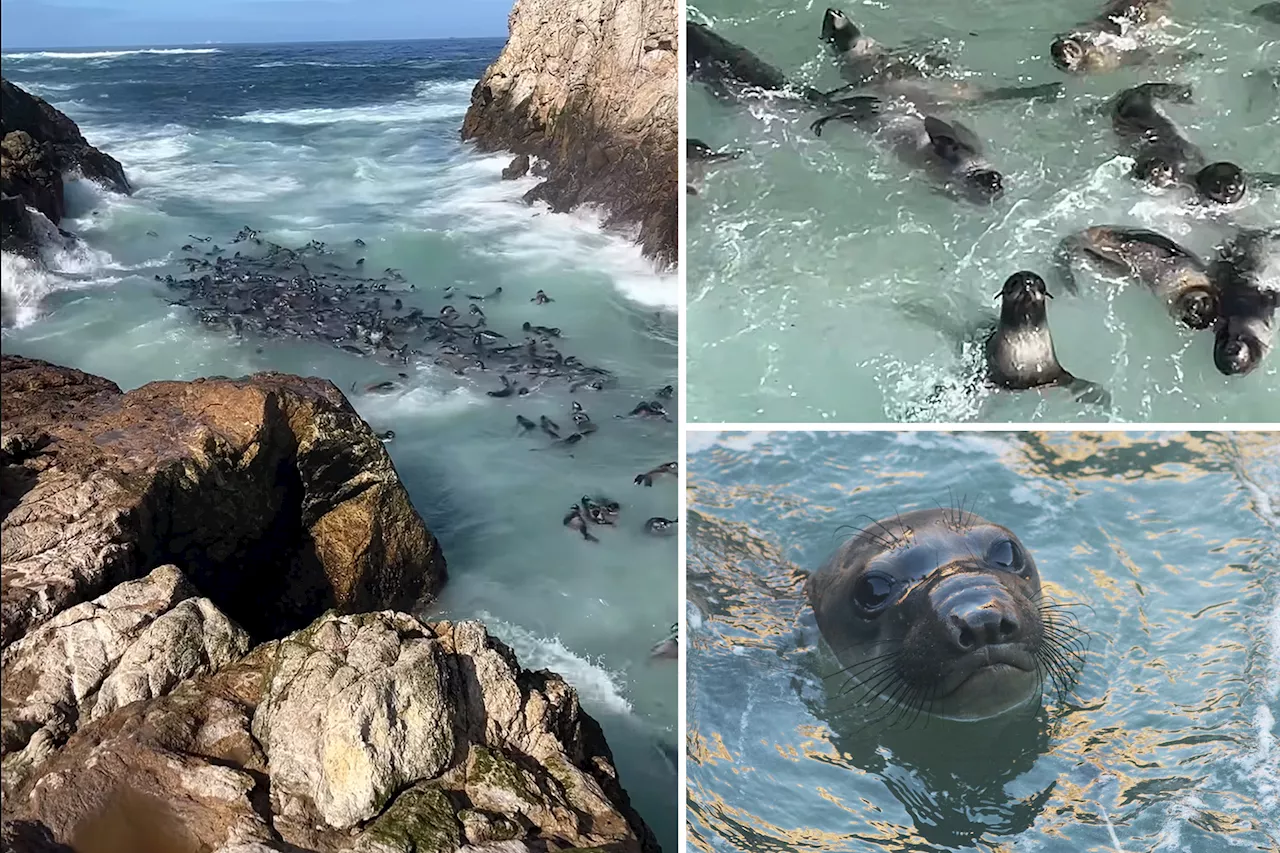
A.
pixel 591 88
pixel 37 145
pixel 196 654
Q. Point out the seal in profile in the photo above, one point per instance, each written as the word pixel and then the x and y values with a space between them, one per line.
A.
pixel 1170 271
pixel 940 612
pixel 1246 330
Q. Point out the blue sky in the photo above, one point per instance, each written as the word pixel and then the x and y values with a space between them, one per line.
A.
pixel 131 23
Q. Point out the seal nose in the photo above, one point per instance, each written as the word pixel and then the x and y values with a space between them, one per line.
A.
pixel 986 625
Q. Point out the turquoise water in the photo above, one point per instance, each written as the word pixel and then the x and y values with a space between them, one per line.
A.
pixel 347 141
pixel 803 253
pixel 1166 547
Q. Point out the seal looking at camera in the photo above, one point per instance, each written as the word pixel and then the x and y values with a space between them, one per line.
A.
pixel 939 612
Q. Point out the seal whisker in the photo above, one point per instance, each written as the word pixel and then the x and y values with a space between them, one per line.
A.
pixel 850 670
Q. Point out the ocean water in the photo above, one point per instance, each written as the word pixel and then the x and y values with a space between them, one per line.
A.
pixel 334 142
pixel 805 255
pixel 1164 547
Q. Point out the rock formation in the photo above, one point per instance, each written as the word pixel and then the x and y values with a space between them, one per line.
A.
pixel 38 144
pixel 150 539
pixel 591 87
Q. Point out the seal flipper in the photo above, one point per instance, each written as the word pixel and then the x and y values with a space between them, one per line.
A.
pixel 1063 257
pixel 1048 92
pixel 856 110
pixel 1086 391
pixel 951 138
pixel 1269 12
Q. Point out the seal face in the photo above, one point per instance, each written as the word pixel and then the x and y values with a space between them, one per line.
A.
pixel 937 611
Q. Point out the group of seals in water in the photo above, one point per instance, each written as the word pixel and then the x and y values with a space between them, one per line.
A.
pixel 940 612
pixel 903 96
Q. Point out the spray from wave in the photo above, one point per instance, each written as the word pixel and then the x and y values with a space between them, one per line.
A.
pixel 111 54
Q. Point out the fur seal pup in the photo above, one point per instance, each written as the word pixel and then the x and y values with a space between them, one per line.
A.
pixel 1173 273
pixel 938 612
pixel 576 520
pixel 1163 157
pixel 1109 41
pixel 1246 330
pixel 1020 353
pixel 950 152
pixel 646 479
pixel 1269 12
pixel 698 155
pixel 660 526
pixel 917 76
pixel 724 66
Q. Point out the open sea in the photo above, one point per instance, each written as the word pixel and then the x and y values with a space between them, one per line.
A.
pixel 339 142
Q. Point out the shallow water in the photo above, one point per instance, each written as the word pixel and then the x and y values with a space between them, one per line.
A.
pixel 803 254
pixel 1166 546
pixel 335 142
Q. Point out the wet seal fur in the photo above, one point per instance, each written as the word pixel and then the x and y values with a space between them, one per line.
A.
pixel 940 612
pixel 1245 332
pixel 1163 157
pixel 1096 45
pixel 1173 273
pixel 1020 353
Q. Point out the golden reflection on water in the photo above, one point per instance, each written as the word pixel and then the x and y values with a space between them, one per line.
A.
pixel 1128 743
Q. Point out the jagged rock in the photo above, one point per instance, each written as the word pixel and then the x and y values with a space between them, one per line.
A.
pixel 22 111
pixel 270 493
pixel 518 168
pixel 467 750
pixel 134 643
pixel 591 86
pixel 28 170
pixel 37 145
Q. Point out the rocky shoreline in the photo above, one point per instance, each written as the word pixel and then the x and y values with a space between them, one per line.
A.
pixel 38 145
pixel 590 88
pixel 203 644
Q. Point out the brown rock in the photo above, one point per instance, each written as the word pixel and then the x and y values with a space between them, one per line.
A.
pixel 28 170
pixel 518 168
pixel 270 493
pixel 577 80
pixel 511 761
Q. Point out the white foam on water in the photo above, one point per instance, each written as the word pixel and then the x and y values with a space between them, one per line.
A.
pixel 414 402
pixel 436 99
pixel 64 264
pixel 596 685
pixel 486 204
pixel 110 54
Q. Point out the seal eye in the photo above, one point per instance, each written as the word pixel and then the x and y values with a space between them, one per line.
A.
pixel 873 591
pixel 1007 555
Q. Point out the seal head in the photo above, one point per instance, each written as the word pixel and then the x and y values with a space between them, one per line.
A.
pixel 937 611
pixel 838 31
pixel 1221 182
pixel 1068 53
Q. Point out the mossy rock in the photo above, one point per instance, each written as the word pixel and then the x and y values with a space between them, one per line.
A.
pixel 421 820
pixel 484 827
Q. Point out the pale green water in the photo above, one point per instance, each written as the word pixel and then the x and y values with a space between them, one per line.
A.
pixel 801 253
pixel 1169 544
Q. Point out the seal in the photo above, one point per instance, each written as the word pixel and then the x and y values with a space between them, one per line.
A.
pixel 940 612
pixel 1268 12
pixel 1020 353
pixel 1245 332
pixel 1173 273
pixel 646 479
pixel 950 152
pixel 576 520
pixel 916 76
pixel 660 526
pixel 698 156
pixel 726 67
pixel 1108 41
pixel 1162 156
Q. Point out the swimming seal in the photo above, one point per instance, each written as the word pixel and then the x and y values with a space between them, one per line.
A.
pixel 915 76
pixel 725 66
pixel 646 479
pixel 698 156
pixel 660 526
pixel 1163 157
pixel 1246 330
pixel 1020 353
pixel 950 152
pixel 1108 41
pixel 1269 12
pixel 1173 273
pixel 938 612
pixel 576 520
